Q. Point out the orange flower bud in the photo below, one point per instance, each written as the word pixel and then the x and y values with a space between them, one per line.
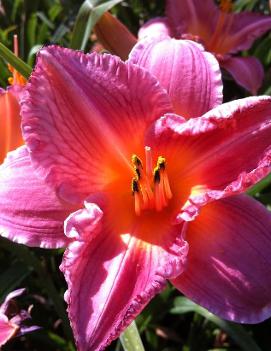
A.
pixel 114 36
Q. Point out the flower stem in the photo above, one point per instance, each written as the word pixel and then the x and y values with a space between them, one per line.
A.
pixel 130 339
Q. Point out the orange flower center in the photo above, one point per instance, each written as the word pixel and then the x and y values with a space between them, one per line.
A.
pixel 150 186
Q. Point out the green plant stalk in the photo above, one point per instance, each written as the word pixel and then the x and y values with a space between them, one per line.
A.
pixel 260 186
pixel 130 339
pixel 23 68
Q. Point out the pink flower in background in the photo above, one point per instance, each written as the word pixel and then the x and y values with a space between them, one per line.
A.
pixel 12 319
pixel 220 31
pixel 156 197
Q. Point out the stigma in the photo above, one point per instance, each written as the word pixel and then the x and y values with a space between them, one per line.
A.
pixel 150 184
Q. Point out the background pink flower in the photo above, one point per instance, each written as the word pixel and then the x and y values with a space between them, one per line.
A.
pixel 221 31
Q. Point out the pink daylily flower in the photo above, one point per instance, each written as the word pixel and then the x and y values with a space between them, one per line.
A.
pixel 19 183
pixel 159 195
pixel 12 320
pixel 220 31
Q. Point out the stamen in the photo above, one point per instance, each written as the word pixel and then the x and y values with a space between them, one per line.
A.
pixel 136 161
pixel 166 185
pixel 145 184
pixel 161 163
pixel 135 192
pixel 158 202
pixel 137 204
pixel 137 171
pixel 156 175
pixel 159 199
pixel 135 187
pixel 151 189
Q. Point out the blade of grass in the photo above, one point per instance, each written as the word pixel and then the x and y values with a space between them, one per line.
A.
pixel 15 61
pixel 88 15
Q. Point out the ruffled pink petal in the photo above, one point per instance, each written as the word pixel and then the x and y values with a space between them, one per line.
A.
pixel 77 131
pixel 224 152
pixel 30 212
pixel 229 262
pixel 112 275
pixel 247 71
pixel 7 329
pixel 190 75
pixel 244 29
pixel 156 27
pixel 194 17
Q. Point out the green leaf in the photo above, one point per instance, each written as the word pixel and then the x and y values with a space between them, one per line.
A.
pixel 235 331
pixel 88 15
pixel 31 29
pixel 260 186
pixel 130 339
pixel 32 53
pixel 15 61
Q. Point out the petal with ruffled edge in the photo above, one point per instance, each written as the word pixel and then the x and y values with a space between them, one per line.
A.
pixel 10 121
pixel 114 36
pixel 156 27
pixel 247 71
pixel 30 212
pixel 224 152
pixel 229 263
pixel 7 329
pixel 80 133
pixel 190 75
pixel 244 29
pixel 112 276
pixel 193 17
